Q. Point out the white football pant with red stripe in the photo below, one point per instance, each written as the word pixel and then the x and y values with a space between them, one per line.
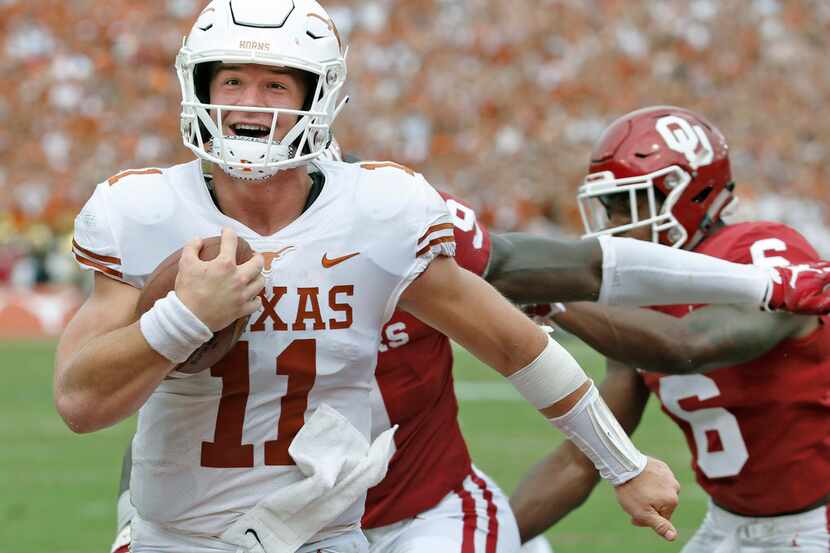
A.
pixel 724 532
pixel 474 518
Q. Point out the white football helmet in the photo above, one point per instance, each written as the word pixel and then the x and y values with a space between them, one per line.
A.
pixel 296 34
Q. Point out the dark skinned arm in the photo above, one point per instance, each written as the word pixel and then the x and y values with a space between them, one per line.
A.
pixel 533 269
pixel 564 479
pixel 706 339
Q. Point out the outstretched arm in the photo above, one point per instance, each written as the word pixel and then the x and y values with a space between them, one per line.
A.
pixel 467 309
pixel 564 479
pixel 704 340
pixel 624 271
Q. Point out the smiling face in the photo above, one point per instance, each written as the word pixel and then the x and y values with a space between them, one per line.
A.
pixel 256 85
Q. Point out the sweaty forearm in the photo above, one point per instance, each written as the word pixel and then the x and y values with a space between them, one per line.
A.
pixel 552 488
pixel 635 337
pixel 724 336
pixel 706 339
pixel 455 301
pixel 107 379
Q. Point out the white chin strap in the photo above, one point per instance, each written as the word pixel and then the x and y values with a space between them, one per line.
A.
pixel 246 158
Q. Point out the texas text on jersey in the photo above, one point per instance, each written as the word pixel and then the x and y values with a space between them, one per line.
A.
pixel 757 429
pixel 210 446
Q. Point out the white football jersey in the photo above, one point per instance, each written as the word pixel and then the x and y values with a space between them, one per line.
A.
pixel 211 445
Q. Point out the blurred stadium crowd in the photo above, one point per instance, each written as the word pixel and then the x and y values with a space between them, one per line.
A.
pixel 498 101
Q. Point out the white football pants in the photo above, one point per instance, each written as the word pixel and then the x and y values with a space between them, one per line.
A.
pixel 152 538
pixel 476 518
pixel 539 544
pixel 724 532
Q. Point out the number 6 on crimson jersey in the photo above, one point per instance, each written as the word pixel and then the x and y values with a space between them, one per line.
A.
pixel 709 426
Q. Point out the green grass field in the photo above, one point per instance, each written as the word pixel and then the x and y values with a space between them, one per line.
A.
pixel 58 489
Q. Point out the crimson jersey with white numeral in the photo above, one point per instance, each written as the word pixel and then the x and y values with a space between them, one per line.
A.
pixel 210 446
pixel 759 432
pixel 414 389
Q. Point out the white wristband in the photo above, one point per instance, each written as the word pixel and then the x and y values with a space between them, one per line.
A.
pixel 172 329
pixel 550 377
pixel 592 428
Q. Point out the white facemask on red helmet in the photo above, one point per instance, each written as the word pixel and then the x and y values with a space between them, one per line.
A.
pixel 669 154
pixel 296 34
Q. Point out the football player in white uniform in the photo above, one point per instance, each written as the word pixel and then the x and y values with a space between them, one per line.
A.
pixel 260 84
pixel 260 87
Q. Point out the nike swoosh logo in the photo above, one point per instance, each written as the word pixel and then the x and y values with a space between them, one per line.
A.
pixel 329 263
pixel 256 536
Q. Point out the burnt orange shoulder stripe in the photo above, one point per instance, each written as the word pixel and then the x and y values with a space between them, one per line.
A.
pixel 435 242
pixel 103 268
pixel 93 255
pixel 115 178
pixel 434 228
pixel 372 165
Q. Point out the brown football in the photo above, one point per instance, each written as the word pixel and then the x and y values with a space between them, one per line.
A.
pixel 163 280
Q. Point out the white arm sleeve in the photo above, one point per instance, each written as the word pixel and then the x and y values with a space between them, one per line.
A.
pixel 635 272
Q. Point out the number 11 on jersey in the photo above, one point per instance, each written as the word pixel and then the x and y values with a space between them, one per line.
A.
pixel 299 363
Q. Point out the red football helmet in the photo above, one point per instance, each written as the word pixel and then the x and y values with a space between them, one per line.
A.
pixel 672 150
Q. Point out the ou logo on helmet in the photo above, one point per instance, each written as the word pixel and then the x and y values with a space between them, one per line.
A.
pixel 689 140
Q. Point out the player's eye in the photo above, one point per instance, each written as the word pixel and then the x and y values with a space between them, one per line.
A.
pixel 277 86
pixel 232 82
pixel 616 205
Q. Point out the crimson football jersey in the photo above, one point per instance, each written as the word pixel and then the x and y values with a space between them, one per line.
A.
pixel 759 432
pixel 415 390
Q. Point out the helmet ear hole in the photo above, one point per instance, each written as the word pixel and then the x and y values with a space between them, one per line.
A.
pixel 701 196
pixel 311 81
pixel 202 76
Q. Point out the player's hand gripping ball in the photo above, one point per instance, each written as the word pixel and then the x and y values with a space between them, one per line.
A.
pixel 163 280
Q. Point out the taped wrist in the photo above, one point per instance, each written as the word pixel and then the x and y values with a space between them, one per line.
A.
pixel 172 329
pixel 592 428
pixel 635 272
pixel 550 377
